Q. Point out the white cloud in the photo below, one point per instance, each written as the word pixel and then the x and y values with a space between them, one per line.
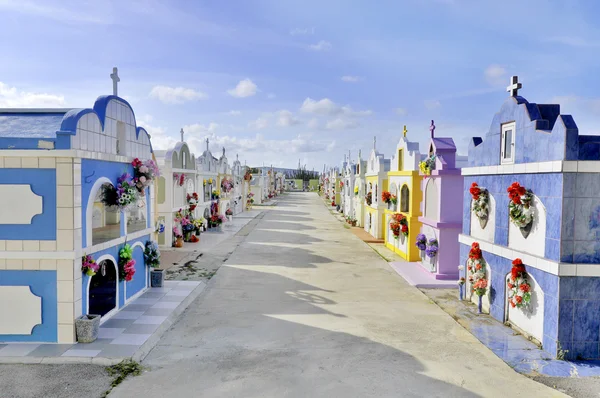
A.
pixel 341 124
pixel 234 113
pixel 495 75
pixel 313 124
pixel 401 111
pixel 259 124
pixel 176 95
pixel 326 106
pixel 260 145
pixel 302 31
pixel 320 46
pixel 432 104
pixel 245 88
pixel 287 119
pixel 198 128
pixel 10 97
pixel 351 79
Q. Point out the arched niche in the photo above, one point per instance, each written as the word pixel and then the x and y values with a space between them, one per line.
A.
pixel 393 191
pixel 432 200
pixel 102 291
pixel 486 233
pixel 137 215
pixel 529 319
pixel 535 243
pixel 102 224
pixel 429 263
pixel 486 299
pixel 404 199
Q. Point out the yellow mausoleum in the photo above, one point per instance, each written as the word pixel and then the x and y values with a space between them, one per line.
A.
pixel 404 182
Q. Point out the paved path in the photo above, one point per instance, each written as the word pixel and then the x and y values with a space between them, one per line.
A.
pixel 303 308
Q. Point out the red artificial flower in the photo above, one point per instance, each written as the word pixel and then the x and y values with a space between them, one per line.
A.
pixel 515 191
pixel 478 267
pixel 519 299
pixel 136 162
pixel 510 285
pixel 404 228
pixel 386 196
pixel 469 267
pixel 524 287
pixel 475 191
pixel 512 304
pixel 517 261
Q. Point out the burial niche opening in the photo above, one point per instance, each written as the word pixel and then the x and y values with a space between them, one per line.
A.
pixel 404 199
pixel 106 222
pixel 102 294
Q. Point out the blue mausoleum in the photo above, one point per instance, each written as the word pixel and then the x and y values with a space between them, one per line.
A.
pixel 53 166
pixel 537 147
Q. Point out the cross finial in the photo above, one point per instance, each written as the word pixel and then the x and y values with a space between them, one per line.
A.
pixel 207 144
pixel 223 151
pixel 375 143
pixel 181 132
pixel 359 153
pixel 115 78
pixel 404 131
pixel 514 87
pixel 432 129
pixel 237 157
pixel 348 155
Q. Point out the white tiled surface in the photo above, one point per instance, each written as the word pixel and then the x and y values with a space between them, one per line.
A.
pixel 556 166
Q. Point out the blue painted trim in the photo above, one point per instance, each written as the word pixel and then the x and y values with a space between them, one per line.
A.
pixel 43 183
pixel 42 284
pixel 23 143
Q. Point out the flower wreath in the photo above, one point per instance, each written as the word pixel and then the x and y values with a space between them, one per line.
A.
pixel 519 208
pixel 386 196
pixel 121 197
pixel 476 267
pixel 421 242
pixel 369 198
pixel 144 173
pixel 192 200
pixel 179 179
pixel 481 200
pixel 399 224
pixel 432 248
pixel 519 289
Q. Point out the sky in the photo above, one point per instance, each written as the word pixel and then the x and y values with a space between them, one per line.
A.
pixel 278 81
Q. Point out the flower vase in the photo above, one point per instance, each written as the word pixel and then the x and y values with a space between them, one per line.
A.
pixel 460 292
pixel 179 242
pixel 526 230
pixel 479 305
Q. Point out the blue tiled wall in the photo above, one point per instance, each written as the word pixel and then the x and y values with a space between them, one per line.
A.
pixel 579 317
pixel 581 218
pixel 548 189
pixel 43 183
pixel 42 284
pixel 500 267
pixel 539 135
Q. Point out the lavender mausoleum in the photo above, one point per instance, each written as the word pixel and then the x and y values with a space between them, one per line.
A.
pixel 542 150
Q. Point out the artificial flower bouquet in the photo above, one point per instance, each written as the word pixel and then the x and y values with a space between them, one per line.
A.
pixel 152 254
pixel 519 207
pixel 89 265
pixel 144 173
pixel 126 263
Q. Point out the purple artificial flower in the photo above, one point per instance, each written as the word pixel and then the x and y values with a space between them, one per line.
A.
pixel 421 242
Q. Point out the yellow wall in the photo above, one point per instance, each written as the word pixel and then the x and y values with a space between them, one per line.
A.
pixel 414 211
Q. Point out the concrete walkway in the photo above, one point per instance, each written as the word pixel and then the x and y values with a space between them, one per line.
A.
pixel 303 308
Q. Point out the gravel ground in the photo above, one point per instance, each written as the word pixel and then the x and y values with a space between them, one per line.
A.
pixel 588 387
pixel 53 381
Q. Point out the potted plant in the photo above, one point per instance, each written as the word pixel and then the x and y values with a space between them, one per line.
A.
pixel 152 258
pixel 87 327
pixel 216 220
pixel 229 214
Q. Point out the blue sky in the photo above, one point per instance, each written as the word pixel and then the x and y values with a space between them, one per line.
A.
pixel 277 81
